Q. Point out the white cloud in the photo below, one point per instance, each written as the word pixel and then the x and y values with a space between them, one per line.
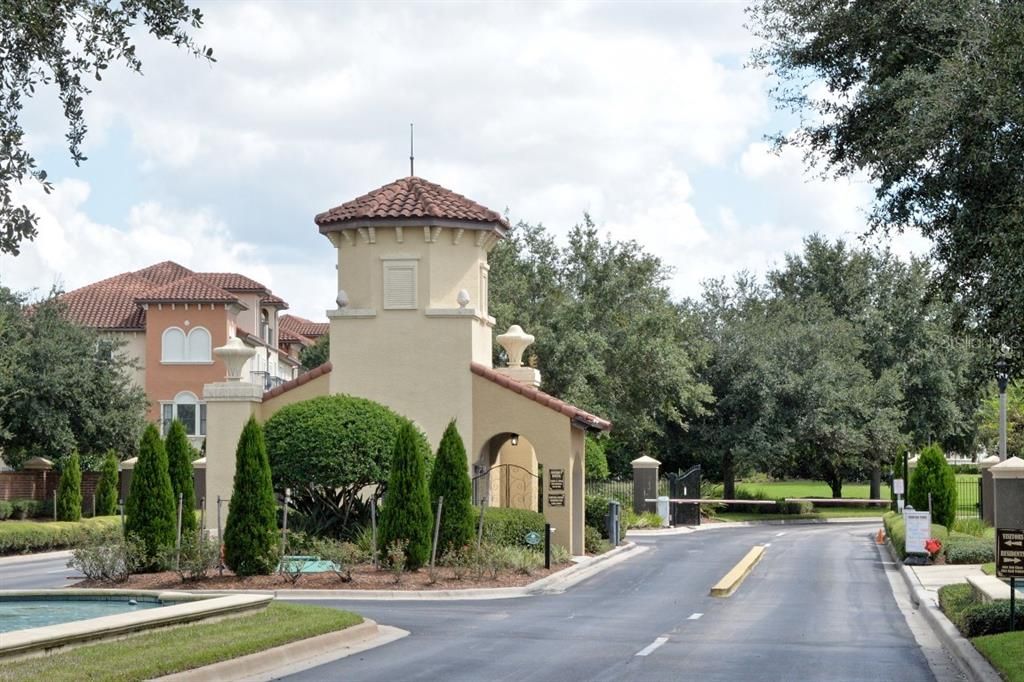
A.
pixel 72 250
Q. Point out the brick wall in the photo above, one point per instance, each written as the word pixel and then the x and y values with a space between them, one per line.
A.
pixel 42 486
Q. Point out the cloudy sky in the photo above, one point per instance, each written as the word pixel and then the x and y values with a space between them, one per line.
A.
pixel 641 114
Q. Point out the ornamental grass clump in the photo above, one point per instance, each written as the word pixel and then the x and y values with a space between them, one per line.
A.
pixel 249 536
pixel 150 510
pixel 106 488
pixel 406 513
pixel 69 490
pixel 450 480
pixel 179 466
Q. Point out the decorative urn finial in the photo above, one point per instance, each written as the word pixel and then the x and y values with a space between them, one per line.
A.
pixel 462 298
pixel 515 341
pixel 342 299
pixel 234 353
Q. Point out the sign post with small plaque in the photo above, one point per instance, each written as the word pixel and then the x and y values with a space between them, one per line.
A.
pixel 1010 562
pixel 919 529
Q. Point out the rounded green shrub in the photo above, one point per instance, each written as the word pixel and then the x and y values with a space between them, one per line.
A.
pixel 406 514
pixel 150 511
pixel 934 475
pixel 329 448
pixel 69 490
pixel 106 487
pixel 596 460
pixel 507 526
pixel 989 618
pixel 179 466
pixel 450 480
pixel 251 530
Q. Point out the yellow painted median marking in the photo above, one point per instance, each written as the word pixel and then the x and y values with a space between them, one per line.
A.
pixel 734 578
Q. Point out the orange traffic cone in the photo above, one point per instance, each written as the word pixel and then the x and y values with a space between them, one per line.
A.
pixel 880 537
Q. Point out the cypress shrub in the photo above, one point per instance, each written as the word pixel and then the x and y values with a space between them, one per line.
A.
pixel 150 510
pixel 69 490
pixel 596 460
pixel 934 475
pixel 406 512
pixel 249 536
pixel 179 466
pixel 106 488
pixel 450 479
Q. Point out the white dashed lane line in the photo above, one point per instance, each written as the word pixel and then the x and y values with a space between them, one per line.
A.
pixel 653 646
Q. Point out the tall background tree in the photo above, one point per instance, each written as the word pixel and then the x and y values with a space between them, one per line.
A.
pixel 67 44
pixel 609 337
pixel 63 387
pixel 924 98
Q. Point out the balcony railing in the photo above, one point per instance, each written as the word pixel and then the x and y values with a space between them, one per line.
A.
pixel 266 380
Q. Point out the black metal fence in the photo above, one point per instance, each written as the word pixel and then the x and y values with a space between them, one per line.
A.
pixel 622 490
pixel 968 497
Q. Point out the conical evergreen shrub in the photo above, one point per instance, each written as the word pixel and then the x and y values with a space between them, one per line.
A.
pixel 251 530
pixel 179 466
pixel 69 490
pixel 450 479
pixel 406 513
pixel 106 488
pixel 934 475
pixel 150 509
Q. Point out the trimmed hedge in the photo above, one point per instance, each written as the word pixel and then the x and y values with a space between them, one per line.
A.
pixel 21 537
pixel 989 618
pixel 6 509
pixel 508 527
pixel 795 507
pixel 896 530
pixel 967 549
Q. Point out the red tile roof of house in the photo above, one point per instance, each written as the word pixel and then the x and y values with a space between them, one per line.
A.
pixel 275 301
pixel 193 289
pixel 410 197
pixel 582 416
pixel 303 327
pixel 114 303
pixel 232 281
pixel 288 336
pixel 299 380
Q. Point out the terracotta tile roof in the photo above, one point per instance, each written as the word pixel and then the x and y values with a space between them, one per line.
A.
pixel 275 301
pixel 113 303
pixel 164 273
pixel 299 380
pixel 303 327
pixel 410 197
pixel 288 336
pixel 232 281
pixel 591 421
pixel 193 289
pixel 110 303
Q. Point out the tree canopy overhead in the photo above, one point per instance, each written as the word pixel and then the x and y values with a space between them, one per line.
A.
pixel 66 44
pixel 924 97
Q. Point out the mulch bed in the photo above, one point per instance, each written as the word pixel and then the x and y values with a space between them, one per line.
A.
pixel 364 577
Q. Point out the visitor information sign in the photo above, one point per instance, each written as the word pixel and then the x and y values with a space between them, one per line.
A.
pixel 919 529
pixel 1010 553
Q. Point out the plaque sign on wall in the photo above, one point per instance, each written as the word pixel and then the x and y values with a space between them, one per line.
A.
pixel 556 479
pixel 556 500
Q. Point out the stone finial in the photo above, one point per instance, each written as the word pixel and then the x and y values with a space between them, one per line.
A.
pixel 342 299
pixel 645 462
pixel 515 341
pixel 234 353
pixel 990 461
pixel 1011 468
pixel 462 298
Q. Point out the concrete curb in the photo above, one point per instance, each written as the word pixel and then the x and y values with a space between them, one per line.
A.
pixel 294 656
pixel 976 667
pixel 552 584
pixel 732 580
pixel 41 556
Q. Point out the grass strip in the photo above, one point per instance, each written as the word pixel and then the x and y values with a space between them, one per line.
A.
pixel 153 654
pixel 989 568
pixel 1005 652
pixel 19 537
pixel 804 488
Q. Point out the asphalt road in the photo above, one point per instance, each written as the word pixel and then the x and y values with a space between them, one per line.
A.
pixel 31 573
pixel 817 607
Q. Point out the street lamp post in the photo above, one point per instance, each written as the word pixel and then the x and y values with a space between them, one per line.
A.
pixel 1003 378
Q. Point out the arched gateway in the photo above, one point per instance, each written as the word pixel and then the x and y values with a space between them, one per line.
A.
pixel 412 331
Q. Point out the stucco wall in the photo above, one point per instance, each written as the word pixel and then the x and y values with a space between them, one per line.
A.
pixel 498 410
pixel 311 389
pixel 134 347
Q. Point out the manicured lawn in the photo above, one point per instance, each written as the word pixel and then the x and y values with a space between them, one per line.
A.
pixel 989 569
pixel 821 513
pixel 150 655
pixel 776 489
pixel 1005 652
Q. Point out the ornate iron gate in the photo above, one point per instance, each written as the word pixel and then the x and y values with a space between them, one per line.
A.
pixel 512 485
pixel 685 486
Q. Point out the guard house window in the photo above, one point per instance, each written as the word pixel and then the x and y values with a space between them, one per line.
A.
pixel 399 285
pixel 186 409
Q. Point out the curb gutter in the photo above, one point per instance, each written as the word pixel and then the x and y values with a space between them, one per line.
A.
pixel 294 656
pixel 39 556
pixel 971 661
